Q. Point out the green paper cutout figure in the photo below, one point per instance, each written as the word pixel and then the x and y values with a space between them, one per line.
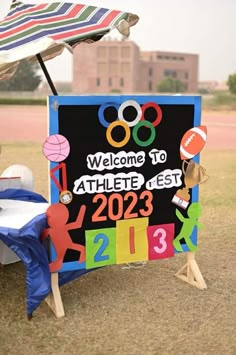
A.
pixel 194 211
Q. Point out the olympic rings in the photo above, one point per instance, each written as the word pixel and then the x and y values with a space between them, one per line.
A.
pixel 152 135
pixel 101 110
pixel 130 103
pixel 111 140
pixel 138 122
pixel 158 112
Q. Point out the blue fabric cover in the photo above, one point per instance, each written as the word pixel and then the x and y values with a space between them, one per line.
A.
pixel 22 195
pixel 25 242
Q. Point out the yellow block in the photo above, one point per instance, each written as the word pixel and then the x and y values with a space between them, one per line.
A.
pixel 131 240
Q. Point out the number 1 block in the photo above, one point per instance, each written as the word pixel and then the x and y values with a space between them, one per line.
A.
pixel 131 240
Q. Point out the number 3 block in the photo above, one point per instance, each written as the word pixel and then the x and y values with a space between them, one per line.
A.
pixel 160 240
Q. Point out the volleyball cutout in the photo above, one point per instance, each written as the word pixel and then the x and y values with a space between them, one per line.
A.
pixel 56 148
pixel 192 142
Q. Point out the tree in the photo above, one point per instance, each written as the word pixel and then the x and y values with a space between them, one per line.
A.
pixel 26 78
pixel 231 83
pixel 203 91
pixel 171 85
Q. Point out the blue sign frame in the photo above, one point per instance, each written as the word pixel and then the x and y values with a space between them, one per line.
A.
pixel 54 102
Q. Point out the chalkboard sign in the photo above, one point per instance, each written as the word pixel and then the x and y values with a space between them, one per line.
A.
pixel 118 182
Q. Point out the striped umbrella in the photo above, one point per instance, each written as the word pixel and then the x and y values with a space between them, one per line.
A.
pixel 43 31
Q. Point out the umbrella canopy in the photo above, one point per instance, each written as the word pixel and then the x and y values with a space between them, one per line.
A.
pixel 45 30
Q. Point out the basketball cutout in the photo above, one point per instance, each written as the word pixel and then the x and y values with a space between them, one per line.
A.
pixel 56 148
pixel 192 142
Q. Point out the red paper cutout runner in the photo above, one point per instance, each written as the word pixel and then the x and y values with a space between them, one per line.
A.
pixel 57 217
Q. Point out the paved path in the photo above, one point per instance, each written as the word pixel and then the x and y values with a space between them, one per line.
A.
pixel 29 123
pixel 221 128
pixel 23 123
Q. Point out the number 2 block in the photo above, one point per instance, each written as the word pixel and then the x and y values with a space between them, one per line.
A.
pixel 100 247
pixel 160 240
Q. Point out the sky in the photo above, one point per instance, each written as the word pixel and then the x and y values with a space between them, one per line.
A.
pixel 203 27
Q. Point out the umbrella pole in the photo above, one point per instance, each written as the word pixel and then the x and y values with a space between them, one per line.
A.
pixel 50 83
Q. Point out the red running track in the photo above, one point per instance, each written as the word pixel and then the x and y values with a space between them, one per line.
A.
pixel 29 123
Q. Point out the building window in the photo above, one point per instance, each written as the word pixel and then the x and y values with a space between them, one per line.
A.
pixel 98 82
pixel 166 72
pixel 110 81
pixel 174 74
pixel 186 75
pixel 101 68
pixel 125 52
pixel 150 86
pixel 121 81
pixel 150 71
pixel 166 57
pixel 125 68
pixel 113 52
pixel 101 52
pixel 114 69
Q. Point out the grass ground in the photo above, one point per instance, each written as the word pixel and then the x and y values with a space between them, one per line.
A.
pixel 115 311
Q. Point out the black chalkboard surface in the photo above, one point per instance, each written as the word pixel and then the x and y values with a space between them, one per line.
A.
pixel 123 174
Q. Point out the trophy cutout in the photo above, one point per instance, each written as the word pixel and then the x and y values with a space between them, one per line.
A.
pixel 194 174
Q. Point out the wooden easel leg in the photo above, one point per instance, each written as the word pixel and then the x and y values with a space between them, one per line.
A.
pixel 54 300
pixel 191 273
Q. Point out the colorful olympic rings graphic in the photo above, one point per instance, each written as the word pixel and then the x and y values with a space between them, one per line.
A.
pixel 138 122
pixel 126 104
pixel 101 110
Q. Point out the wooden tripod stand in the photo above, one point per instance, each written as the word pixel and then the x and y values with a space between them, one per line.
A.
pixel 191 273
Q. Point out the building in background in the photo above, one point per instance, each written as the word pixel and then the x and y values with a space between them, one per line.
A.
pixel 111 66
pixel 212 86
